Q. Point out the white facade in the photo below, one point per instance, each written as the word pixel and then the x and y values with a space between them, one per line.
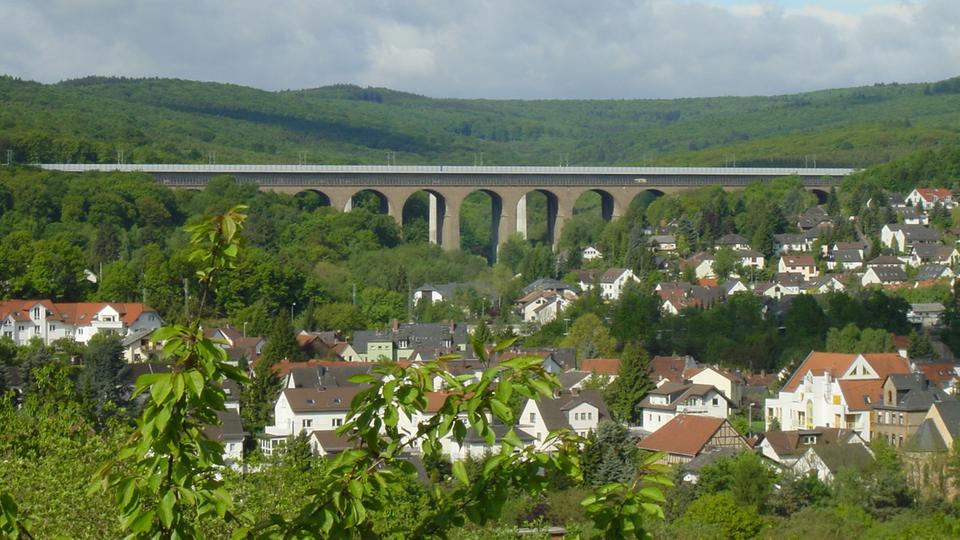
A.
pixel 288 423
pixel 79 322
pixel 727 386
pixel 590 253
pixel 713 403
pixel 614 288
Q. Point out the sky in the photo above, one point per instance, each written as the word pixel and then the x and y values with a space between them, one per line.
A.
pixel 499 49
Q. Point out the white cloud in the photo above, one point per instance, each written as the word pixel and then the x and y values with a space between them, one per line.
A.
pixel 490 48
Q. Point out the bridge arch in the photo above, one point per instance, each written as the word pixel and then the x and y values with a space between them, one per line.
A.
pixel 536 216
pixel 311 199
pixel 480 233
pixel 422 216
pixel 822 195
pixel 372 199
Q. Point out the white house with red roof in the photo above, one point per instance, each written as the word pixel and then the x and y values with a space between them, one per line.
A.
pixel 834 390
pixel 687 436
pixel 929 197
pixel 24 320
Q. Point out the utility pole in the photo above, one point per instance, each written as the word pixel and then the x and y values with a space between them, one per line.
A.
pixel 354 295
pixel 186 299
pixel 9 157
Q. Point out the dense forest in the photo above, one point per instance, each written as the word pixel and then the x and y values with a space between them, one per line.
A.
pixel 100 119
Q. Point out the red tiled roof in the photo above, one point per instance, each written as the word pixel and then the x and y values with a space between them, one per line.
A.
pixel 931 194
pixel 72 313
pixel 685 435
pixel 667 367
pixel 601 366
pixel 938 372
pixel 837 363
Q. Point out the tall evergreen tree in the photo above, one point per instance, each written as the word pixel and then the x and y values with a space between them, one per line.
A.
pixel 633 382
pixel 258 397
pixel 610 455
pixel 282 342
pixel 104 371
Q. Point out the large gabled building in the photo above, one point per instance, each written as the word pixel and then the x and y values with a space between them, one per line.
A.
pixel 25 320
pixel 834 390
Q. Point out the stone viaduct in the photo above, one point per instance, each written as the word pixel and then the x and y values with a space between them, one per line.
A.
pixel 448 186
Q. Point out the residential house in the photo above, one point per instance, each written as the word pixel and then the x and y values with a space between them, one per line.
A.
pixel 612 282
pixel 902 237
pixel 734 242
pixel 671 399
pixel 812 217
pixel 906 400
pixel 804 265
pixel 845 259
pixel 786 447
pixel 729 383
pixel 834 390
pixel 926 315
pixel 601 367
pixel 933 272
pixel 138 346
pixel 677 296
pixel 733 286
pixel 580 411
pixel 927 198
pixel 939 372
pixel 911 216
pixel 306 410
pixel 687 436
pixel 790 243
pixel 663 242
pixel 702 264
pixel 825 284
pixel 590 253
pixel 664 369
pixel 24 320
pixel 886 261
pixel 327 442
pixel 883 276
pixel 229 432
pixel 826 460
pixel 939 429
pixel 542 306
pixel 749 258
pixel 934 253
pixel 476 446
pixel 549 284
pixel 236 343
pixel 400 340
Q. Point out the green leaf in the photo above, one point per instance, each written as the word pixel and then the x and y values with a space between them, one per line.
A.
pixel 460 472
pixel 502 411
pixel 194 382
pixel 165 508
pixel 653 493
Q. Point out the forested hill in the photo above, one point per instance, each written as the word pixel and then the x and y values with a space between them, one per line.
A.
pixel 168 120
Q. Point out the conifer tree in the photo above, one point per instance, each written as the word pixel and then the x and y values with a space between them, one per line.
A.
pixel 282 342
pixel 633 382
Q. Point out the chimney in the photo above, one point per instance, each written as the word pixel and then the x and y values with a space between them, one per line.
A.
pixel 394 325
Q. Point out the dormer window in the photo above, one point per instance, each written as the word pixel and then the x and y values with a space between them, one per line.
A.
pixel 36 313
pixel 404 343
pixel 810 439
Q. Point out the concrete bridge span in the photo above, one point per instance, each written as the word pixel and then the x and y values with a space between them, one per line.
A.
pixel 449 186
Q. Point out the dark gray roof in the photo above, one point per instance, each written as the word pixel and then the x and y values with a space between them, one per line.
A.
pixel 547 283
pixel 572 377
pixel 332 442
pixel 921 233
pixel 927 438
pixel 890 274
pixel 885 260
pixel 305 377
pixel 552 409
pixel 812 216
pixel 230 428
pixel 843 456
pixel 847 256
pixel 789 238
pixel 914 393
pixel 931 271
pixel 418 335
pixel 950 412
pixel 732 239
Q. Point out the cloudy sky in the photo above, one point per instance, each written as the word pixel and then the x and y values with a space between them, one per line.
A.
pixel 491 48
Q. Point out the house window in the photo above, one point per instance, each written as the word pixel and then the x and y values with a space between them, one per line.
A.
pixel 36 313
pixel 36 329
pixel 79 331
pixel 900 419
pixel 307 423
pixel 589 416
pixel 879 417
pixel 337 422
pixel 716 402
pixel 533 417
pixel 53 327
